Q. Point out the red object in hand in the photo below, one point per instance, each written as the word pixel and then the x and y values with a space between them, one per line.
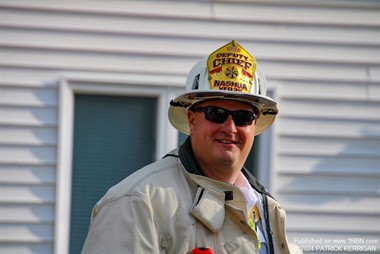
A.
pixel 201 250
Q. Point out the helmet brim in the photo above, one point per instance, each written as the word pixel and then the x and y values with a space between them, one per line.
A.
pixel 180 105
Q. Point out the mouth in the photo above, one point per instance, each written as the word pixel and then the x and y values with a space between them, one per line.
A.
pixel 227 142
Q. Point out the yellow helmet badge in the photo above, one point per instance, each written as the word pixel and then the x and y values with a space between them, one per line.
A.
pixel 231 68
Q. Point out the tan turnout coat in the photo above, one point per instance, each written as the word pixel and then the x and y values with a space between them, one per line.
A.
pixel 170 207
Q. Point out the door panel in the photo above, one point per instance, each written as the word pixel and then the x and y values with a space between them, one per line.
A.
pixel 113 137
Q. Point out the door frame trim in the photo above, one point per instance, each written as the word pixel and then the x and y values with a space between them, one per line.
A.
pixel 163 88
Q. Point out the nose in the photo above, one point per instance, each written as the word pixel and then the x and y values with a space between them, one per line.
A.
pixel 229 125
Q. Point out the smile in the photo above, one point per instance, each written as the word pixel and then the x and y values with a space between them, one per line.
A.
pixel 227 141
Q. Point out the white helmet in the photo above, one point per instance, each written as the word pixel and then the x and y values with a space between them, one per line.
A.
pixel 229 73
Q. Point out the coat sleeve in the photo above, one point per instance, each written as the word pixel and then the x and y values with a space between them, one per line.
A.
pixel 125 225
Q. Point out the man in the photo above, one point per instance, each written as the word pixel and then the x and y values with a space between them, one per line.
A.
pixel 200 195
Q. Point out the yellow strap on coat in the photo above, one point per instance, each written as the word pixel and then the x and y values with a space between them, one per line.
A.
pixel 254 217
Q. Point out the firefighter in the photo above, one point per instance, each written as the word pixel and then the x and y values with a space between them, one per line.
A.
pixel 200 196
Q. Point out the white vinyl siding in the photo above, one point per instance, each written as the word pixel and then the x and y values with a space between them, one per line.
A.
pixel 321 59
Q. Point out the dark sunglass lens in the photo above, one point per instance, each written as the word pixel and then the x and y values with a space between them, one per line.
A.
pixel 217 115
pixel 220 115
pixel 243 118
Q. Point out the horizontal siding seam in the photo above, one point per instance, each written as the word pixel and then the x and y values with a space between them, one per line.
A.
pixel 26 202
pixel 22 240
pixel 29 84
pixel 210 15
pixel 310 3
pixel 26 125
pixel 329 154
pixel 301 231
pixel 334 136
pixel 61 67
pixel 323 118
pixel 316 211
pixel 30 144
pixel 356 175
pixel 176 35
pixel 185 54
pixel 330 192
pixel 28 163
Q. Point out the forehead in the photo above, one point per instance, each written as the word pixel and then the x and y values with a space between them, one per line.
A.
pixel 226 104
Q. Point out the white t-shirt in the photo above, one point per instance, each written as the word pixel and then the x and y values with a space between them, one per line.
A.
pixel 252 199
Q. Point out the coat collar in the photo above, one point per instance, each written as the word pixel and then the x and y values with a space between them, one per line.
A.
pixel 188 160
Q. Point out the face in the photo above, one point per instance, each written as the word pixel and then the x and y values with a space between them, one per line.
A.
pixel 221 145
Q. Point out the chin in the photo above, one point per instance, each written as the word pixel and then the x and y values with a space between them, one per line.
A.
pixel 228 159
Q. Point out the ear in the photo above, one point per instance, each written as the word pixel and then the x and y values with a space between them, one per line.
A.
pixel 191 119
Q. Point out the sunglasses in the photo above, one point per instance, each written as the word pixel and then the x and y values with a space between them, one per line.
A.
pixel 220 115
